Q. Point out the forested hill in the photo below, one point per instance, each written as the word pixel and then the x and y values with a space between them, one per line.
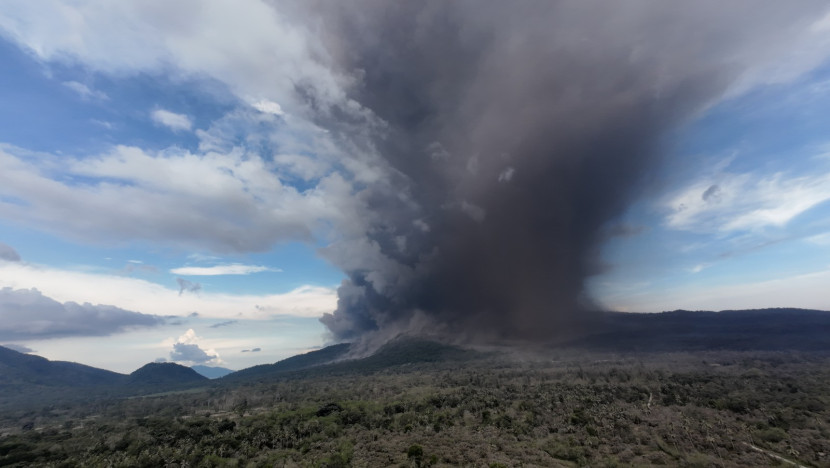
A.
pixel 164 374
pixel 27 380
pixel 17 369
pixel 301 361
pixel 337 360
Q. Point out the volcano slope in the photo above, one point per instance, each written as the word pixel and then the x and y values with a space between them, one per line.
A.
pixel 422 403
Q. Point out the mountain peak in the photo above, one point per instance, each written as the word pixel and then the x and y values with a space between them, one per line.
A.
pixel 212 372
pixel 156 373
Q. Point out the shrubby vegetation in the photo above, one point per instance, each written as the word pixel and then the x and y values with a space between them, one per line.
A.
pixel 702 409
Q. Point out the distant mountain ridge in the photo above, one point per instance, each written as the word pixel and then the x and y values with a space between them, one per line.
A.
pixel 27 376
pixel 26 379
pixel 20 368
pixel 770 329
pixel 16 368
pixel 212 372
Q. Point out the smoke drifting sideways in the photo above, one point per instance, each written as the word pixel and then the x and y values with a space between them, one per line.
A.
pixel 505 137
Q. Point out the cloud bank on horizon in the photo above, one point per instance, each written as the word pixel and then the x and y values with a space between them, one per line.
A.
pixel 470 168
pixel 28 314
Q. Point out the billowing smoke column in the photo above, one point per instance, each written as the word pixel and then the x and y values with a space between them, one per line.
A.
pixel 506 137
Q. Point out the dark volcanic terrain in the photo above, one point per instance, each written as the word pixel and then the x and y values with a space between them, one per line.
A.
pixel 736 388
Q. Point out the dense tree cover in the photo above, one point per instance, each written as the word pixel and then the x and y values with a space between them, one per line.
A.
pixel 702 409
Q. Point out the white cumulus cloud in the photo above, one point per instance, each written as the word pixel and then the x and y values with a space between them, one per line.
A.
pixel 217 270
pixel 253 47
pixel 221 202
pixel 186 349
pixel 172 120
pixel 268 107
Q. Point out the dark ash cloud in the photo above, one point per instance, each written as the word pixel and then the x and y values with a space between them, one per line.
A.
pixel 190 353
pixel 510 136
pixel 624 230
pixel 8 254
pixel 28 314
pixel 188 286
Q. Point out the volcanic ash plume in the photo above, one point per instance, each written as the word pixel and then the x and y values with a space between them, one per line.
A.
pixel 506 136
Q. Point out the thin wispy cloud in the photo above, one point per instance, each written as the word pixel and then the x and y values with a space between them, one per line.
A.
pixel 8 253
pixel 218 270
pixel 85 91
pixel 186 286
pixel 822 240
pixel 302 167
pixel 746 201
pixel 172 120
pixel 201 257
pixel 226 323
pixel 140 295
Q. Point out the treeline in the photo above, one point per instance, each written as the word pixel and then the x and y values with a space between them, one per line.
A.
pixel 599 410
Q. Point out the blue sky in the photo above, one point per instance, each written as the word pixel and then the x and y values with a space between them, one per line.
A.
pixel 59 114
pixel 172 178
pixel 760 239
